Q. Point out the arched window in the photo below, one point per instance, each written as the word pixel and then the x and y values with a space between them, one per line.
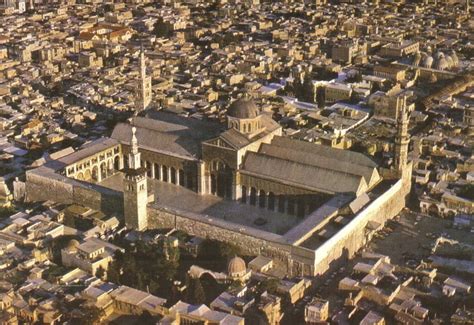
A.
pixel 148 167
pixel 245 128
pixel 173 175
pixel 291 206
pixel 281 203
pixel 244 194
pixel 261 198
pixel 271 201
pixel 253 196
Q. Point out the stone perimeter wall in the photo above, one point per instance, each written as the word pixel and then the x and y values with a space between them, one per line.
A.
pixel 347 242
pixel 58 188
pixel 256 243
pixel 299 260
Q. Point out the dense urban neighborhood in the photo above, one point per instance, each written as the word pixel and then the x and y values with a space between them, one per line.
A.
pixel 236 162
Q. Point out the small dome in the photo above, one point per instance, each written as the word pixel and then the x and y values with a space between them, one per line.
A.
pixel 455 58
pixel 441 64
pixel 236 267
pixel 428 62
pixel 450 61
pixel 439 55
pixel 417 59
pixel 73 244
pixel 243 108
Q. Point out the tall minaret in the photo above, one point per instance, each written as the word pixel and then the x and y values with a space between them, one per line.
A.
pixel 468 8
pixel 143 91
pixel 135 195
pixel 402 139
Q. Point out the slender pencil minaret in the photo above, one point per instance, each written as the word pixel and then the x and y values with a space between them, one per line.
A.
pixel 143 91
pixel 402 139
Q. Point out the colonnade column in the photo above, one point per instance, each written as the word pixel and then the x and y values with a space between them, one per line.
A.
pixel 152 170
pixel 177 177
pixel 201 178
pixel 99 174
pixel 160 172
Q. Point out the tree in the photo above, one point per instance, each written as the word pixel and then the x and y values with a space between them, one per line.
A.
pixel 198 296
pixel 146 319
pixel 57 244
pixel 214 254
pixel 162 29
pixel 90 315
pixel 467 192
pixel 113 273
pixel 145 266
pixel 270 285
pixel 355 78
pixel 100 272
pixel 320 97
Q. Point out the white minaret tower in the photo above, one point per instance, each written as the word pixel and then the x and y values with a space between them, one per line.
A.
pixel 143 91
pixel 402 139
pixel 135 195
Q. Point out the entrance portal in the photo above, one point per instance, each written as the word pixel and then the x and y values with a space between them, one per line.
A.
pixel 221 179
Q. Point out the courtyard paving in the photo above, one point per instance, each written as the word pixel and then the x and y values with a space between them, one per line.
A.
pixel 178 197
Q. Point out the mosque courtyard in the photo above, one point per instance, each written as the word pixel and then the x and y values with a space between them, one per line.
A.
pixel 177 197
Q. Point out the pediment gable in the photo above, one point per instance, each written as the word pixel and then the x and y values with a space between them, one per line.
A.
pixel 219 142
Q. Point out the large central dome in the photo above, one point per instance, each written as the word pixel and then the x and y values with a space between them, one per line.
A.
pixel 243 108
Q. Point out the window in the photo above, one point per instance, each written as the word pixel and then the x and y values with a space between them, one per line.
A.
pixel 261 198
pixel 244 194
pixel 253 196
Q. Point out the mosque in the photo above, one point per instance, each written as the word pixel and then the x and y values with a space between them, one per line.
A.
pixel 245 161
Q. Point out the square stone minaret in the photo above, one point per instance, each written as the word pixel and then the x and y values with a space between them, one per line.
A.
pixel 135 195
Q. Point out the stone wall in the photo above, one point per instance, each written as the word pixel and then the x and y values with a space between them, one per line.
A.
pixel 43 188
pixel 202 226
pixel 99 198
pixel 250 240
pixel 43 184
pixel 299 260
pixel 353 236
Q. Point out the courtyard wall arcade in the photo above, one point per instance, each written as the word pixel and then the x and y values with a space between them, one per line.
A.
pixel 95 167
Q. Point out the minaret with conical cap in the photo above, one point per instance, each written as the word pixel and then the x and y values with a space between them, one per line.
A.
pixel 135 193
pixel 402 139
pixel 143 91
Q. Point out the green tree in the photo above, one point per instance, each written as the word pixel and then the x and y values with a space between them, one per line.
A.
pixel 90 315
pixel 145 266
pixel 270 285
pixel 146 319
pixel 100 272
pixel 57 244
pixel 214 254
pixel 198 294
pixel 467 192
pixel 162 29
